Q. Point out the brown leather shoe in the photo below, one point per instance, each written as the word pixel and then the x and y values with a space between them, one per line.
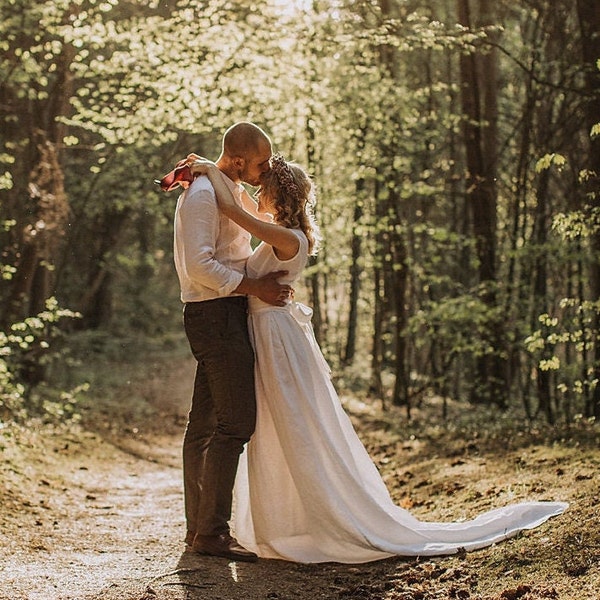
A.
pixel 189 539
pixel 222 545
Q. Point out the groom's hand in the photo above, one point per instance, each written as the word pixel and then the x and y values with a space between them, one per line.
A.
pixel 273 292
pixel 268 289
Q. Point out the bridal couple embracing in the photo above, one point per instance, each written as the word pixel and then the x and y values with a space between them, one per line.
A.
pixel 266 425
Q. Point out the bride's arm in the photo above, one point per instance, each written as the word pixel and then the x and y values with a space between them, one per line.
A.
pixel 282 239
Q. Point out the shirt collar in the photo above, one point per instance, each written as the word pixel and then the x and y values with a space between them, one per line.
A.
pixel 236 188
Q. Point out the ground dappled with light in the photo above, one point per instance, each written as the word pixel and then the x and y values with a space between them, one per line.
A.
pixel 95 511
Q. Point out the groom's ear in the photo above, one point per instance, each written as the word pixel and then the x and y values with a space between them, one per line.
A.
pixel 239 162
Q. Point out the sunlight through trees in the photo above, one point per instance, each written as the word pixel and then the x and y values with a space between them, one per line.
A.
pixel 454 145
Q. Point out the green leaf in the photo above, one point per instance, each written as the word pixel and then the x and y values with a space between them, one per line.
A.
pixel 550 159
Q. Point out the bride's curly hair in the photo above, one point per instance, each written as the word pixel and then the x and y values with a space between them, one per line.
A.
pixel 294 198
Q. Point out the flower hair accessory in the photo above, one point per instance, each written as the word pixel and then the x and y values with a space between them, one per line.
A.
pixel 283 173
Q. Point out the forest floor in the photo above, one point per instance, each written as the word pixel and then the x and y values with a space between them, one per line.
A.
pixel 95 511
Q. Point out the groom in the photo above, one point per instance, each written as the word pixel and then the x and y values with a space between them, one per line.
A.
pixel 210 258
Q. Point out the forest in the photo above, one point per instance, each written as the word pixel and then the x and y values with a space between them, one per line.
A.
pixel 454 144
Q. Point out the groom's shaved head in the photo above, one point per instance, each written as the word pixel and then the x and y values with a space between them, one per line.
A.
pixel 244 139
pixel 246 153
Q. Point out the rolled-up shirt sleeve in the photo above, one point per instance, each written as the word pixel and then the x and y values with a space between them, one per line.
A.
pixel 199 222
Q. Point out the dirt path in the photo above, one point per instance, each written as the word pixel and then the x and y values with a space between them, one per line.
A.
pixel 107 524
pixel 98 515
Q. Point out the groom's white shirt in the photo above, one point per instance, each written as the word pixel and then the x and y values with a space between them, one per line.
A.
pixel 210 250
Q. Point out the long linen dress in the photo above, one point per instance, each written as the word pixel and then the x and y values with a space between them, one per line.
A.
pixel 307 490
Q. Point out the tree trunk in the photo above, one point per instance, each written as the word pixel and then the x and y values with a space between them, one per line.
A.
pixel 95 303
pixel 356 250
pixel 380 299
pixel 518 273
pixel 540 292
pixel 40 237
pixel 355 270
pixel 41 225
pixel 589 20
pixel 315 279
pixel 395 270
pixel 376 386
pixel 400 278
pixel 479 106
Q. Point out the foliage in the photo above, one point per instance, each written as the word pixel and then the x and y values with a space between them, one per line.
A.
pixel 578 224
pixel 25 349
pixel 550 342
pixel 98 98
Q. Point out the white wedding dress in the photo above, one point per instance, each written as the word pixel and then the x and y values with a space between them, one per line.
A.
pixel 306 489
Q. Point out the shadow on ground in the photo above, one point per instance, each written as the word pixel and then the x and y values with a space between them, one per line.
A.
pixel 207 578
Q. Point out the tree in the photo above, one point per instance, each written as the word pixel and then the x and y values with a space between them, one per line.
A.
pixel 589 20
pixel 479 101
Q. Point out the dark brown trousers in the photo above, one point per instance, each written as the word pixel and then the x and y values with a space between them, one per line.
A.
pixel 223 411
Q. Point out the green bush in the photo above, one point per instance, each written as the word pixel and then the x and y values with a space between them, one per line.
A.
pixel 27 349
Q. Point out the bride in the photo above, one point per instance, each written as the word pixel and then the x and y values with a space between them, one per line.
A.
pixel 306 489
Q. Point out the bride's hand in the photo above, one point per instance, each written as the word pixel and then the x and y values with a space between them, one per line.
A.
pixel 192 156
pixel 200 165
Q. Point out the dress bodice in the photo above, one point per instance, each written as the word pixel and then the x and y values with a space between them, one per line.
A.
pixel 264 261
